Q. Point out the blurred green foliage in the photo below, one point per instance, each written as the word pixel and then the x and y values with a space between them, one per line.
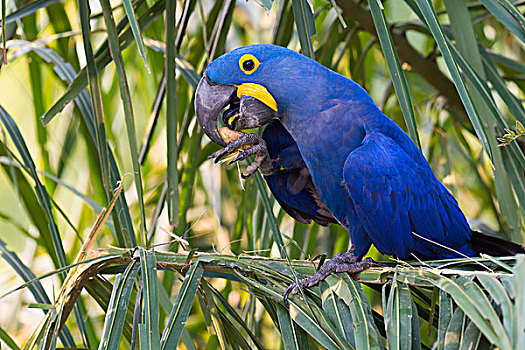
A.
pixel 89 98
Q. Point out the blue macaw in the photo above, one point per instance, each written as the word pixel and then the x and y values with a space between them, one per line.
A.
pixel 330 155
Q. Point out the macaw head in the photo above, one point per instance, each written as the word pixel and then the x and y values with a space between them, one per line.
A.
pixel 258 83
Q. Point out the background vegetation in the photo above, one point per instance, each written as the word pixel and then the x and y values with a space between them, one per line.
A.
pixel 100 153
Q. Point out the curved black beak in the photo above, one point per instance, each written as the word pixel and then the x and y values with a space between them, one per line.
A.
pixel 210 99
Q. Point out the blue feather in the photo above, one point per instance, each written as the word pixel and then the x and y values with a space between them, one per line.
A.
pixel 299 203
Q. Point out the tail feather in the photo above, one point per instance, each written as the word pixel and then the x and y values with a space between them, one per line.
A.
pixel 494 246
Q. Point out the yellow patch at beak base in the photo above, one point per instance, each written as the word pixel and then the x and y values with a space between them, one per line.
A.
pixel 230 121
pixel 257 91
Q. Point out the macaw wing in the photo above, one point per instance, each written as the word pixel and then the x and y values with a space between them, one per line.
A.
pixel 395 195
pixel 291 183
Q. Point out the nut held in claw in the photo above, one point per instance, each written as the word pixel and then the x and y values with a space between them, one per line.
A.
pixel 229 135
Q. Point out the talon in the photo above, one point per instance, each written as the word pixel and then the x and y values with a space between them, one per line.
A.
pixel 252 168
pixel 343 262
pixel 224 152
pixel 217 159
pixel 241 141
pixel 291 290
pixel 241 156
pixel 216 154
pixel 247 145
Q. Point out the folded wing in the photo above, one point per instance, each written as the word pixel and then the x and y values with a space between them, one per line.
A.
pixel 395 195
pixel 290 182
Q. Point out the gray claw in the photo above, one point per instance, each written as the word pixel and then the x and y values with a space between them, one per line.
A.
pixel 292 289
pixel 217 155
pixel 343 262
pixel 246 139
pixel 241 156
pixel 258 148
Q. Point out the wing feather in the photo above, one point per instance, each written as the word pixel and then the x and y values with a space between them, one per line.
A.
pixel 395 195
pixel 291 182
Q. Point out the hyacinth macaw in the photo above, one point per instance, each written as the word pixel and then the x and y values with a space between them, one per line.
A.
pixel 330 155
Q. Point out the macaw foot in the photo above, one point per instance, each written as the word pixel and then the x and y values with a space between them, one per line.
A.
pixel 257 146
pixel 342 262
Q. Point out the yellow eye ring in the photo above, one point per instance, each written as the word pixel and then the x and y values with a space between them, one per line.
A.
pixel 249 63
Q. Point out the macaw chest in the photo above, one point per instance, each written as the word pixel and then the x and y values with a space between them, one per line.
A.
pixel 324 151
pixel 289 179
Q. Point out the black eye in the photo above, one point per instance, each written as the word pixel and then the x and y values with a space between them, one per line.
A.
pixel 248 65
